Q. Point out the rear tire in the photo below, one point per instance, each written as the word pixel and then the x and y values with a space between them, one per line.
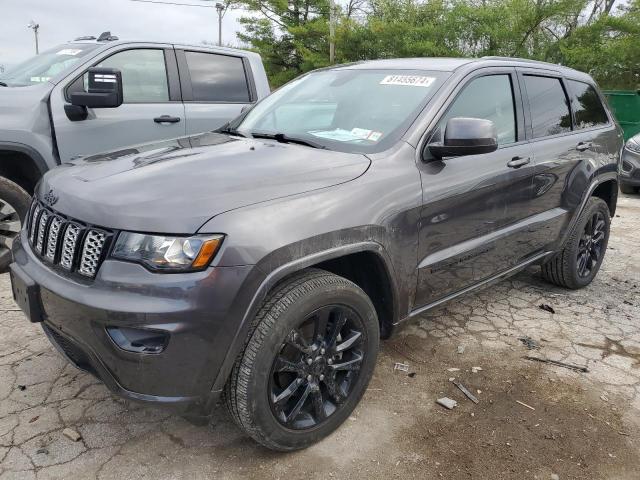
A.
pixel 14 207
pixel 577 264
pixel 316 336
pixel 628 189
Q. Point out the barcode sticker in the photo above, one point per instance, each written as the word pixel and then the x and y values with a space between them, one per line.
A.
pixel 408 80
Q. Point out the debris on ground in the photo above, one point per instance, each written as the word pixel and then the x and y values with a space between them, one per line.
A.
pixel 71 434
pixel 461 349
pixel 570 366
pixel 476 369
pixel 411 375
pixel 555 476
pixel 464 390
pixel 453 369
pixel 546 308
pixel 530 343
pixel 403 367
pixel 447 402
pixel 525 405
pixel 43 451
pixel 22 388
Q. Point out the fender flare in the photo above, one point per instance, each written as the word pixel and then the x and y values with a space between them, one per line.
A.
pixel 39 161
pixel 272 279
pixel 600 179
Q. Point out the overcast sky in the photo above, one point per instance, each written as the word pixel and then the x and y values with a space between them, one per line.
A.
pixel 64 20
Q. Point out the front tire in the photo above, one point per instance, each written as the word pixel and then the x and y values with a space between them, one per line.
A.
pixel 577 264
pixel 14 206
pixel 308 360
pixel 628 189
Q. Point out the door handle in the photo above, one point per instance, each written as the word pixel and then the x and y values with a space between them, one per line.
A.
pixel 517 162
pixel 583 146
pixel 166 119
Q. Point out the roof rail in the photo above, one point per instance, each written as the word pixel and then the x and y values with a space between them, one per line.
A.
pixel 518 59
pixel 86 37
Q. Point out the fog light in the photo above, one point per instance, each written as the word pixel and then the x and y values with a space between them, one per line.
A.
pixel 137 340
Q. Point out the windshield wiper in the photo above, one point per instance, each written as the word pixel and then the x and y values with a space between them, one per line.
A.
pixel 230 131
pixel 282 138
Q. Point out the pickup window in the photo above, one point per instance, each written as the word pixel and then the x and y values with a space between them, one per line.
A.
pixel 217 78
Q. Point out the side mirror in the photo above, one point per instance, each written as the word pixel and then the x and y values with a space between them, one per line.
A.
pixel 105 89
pixel 466 136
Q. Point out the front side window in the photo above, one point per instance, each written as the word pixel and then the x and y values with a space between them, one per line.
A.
pixel 217 78
pixel 548 104
pixel 144 75
pixel 488 98
pixel 348 110
pixel 587 106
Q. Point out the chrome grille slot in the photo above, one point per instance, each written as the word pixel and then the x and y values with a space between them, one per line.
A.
pixel 34 222
pixel 52 239
pixel 91 252
pixel 42 228
pixel 69 242
pixel 64 242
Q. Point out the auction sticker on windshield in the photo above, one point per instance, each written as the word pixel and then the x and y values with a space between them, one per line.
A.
pixel 408 80
pixel 69 51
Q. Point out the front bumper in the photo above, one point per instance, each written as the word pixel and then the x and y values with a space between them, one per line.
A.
pixel 196 311
pixel 630 172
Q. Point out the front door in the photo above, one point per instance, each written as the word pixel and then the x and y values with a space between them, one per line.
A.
pixel 151 109
pixel 466 199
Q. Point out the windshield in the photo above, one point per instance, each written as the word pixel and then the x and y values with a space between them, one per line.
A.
pixel 43 67
pixel 348 110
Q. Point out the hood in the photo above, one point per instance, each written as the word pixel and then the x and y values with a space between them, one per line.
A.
pixel 176 186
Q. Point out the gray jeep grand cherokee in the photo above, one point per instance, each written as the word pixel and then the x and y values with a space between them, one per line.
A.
pixel 262 263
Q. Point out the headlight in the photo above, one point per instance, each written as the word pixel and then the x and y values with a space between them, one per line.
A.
pixel 633 145
pixel 167 253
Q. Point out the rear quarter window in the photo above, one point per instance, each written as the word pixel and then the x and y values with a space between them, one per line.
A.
pixel 217 78
pixel 587 106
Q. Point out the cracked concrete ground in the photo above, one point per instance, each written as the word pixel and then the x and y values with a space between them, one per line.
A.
pixel 574 425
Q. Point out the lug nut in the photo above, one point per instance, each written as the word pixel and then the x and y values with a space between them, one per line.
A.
pixel 330 362
pixel 321 377
pixel 309 361
pixel 309 378
pixel 322 351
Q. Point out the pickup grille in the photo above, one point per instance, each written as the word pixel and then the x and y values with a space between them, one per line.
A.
pixel 66 243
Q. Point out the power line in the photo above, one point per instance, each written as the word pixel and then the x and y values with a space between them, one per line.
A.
pixel 172 3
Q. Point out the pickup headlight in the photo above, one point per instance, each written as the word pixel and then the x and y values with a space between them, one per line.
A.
pixel 167 253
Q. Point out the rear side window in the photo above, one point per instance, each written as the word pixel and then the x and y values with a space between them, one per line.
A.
pixel 587 105
pixel 217 78
pixel 548 104
pixel 489 98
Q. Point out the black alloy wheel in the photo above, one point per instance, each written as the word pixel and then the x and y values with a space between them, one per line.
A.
pixel 590 249
pixel 316 367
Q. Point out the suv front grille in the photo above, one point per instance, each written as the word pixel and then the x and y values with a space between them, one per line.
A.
pixel 64 242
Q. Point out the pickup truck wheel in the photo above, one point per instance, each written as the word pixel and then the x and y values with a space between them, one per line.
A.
pixel 628 189
pixel 577 264
pixel 14 206
pixel 308 360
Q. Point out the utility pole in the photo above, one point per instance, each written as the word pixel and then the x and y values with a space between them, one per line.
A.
pixel 332 32
pixel 35 27
pixel 220 9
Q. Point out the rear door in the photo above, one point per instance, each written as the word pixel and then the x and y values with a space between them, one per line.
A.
pixel 215 88
pixel 466 199
pixel 564 151
pixel 152 108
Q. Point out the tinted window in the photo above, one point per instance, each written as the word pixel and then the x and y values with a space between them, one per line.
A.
pixel 587 106
pixel 548 104
pixel 217 78
pixel 490 98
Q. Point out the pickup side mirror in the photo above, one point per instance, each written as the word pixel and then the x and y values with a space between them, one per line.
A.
pixel 105 89
pixel 466 136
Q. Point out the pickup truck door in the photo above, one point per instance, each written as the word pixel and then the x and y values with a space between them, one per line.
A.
pixel 152 108
pixel 215 87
